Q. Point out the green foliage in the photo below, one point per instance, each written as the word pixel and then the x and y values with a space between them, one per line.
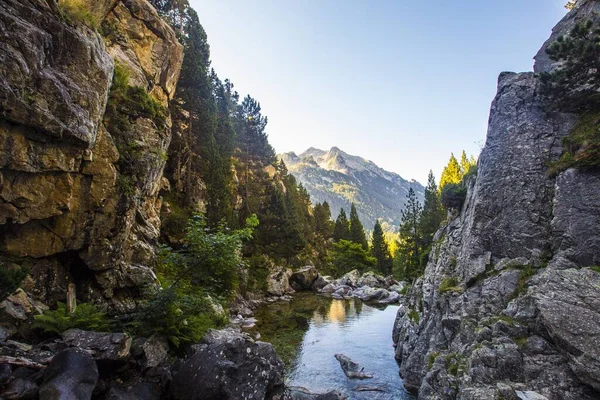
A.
pixel 413 315
pixel 582 145
pixel 570 5
pixel 323 224
pixel 86 316
pixel 455 364
pixel 346 256
pixel 405 290
pixel 449 284
pixel 573 86
pixel 431 359
pixel 357 231
pixel 526 273
pixel 77 11
pixel 379 250
pixel 453 195
pixel 183 316
pixel 451 172
pixel 10 279
pixel 206 267
pixel 341 230
pixel 410 247
pixel 596 268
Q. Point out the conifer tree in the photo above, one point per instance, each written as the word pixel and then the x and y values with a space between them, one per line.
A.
pixel 341 230
pixel 411 237
pixel 433 212
pixel 452 172
pixel 323 223
pixel 380 250
pixel 357 231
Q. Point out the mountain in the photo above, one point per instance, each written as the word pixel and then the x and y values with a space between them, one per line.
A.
pixel 340 179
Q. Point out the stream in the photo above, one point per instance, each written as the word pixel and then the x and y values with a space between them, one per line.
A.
pixel 309 330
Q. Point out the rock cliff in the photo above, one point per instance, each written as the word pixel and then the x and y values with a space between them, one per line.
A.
pixel 507 307
pixel 80 171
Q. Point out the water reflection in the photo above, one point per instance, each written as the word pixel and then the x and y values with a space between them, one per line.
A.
pixel 308 331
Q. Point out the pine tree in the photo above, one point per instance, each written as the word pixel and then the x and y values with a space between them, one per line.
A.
pixel 452 172
pixel 341 230
pixel 323 223
pixel 380 250
pixel 357 231
pixel 433 212
pixel 411 237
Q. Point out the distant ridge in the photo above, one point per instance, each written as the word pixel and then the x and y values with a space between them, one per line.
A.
pixel 341 178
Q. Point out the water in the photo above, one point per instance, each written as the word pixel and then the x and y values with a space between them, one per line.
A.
pixel 308 332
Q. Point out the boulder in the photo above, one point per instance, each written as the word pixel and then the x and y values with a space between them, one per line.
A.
pixel 156 350
pixel 19 388
pixel 392 298
pixel 321 282
pixel 372 294
pixel 238 367
pixel 278 282
pixel 103 346
pixel 351 369
pixel 303 278
pixel 371 279
pixel 72 374
pixel 141 391
pixel 300 393
pixel 343 291
pixel 329 288
pixel 351 278
pixel 398 287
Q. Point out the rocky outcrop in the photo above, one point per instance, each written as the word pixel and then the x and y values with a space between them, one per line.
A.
pixel 278 282
pixel 368 287
pixel 238 367
pixel 504 307
pixel 75 205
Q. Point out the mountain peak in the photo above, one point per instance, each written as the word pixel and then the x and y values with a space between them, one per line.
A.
pixel 341 178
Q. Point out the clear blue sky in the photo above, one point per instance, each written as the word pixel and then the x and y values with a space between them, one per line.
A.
pixel 402 83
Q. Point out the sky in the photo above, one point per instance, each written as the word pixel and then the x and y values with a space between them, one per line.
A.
pixel 402 83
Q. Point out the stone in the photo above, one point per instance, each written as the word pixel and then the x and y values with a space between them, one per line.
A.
pixel 351 369
pixel 372 294
pixel 392 298
pixel 371 279
pixel 72 374
pixel 320 282
pixel 530 395
pixel 303 278
pixel 278 282
pixel 300 393
pixel 156 350
pixel 102 346
pixel 19 388
pixel 350 279
pixel 141 391
pixel 238 367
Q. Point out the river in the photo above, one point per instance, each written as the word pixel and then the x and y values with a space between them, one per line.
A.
pixel 309 330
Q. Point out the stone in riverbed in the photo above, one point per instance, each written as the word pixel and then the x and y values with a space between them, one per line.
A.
pixel 351 369
pixel 72 374
pixel 229 365
pixel 300 393
pixel 303 278
pixel 104 346
pixel 278 282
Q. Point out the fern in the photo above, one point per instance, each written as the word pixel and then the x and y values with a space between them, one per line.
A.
pixel 10 279
pixel 86 317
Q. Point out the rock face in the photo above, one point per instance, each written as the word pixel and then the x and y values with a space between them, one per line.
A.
pixel 523 317
pixel 303 278
pixel 70 210
pixel 237 368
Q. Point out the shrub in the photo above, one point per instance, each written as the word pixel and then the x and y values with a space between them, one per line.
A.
pixel 413 315
pixel 10 279
pixel 453 195
pixel 346 256
pixel 449 285
pixel 77 11
pixel 431 359
pixel 86 316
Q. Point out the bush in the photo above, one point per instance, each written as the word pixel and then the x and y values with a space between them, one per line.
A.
pixel 77 11
pixel 86 317
pixel 10 279
pixel 449 285
pixel 346 256
pixel 453 195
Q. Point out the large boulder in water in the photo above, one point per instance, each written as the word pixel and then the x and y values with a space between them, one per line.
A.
pixel 229 365
pixel 350 279
pixel 371 279
pixel 303 278
pixel 72 374
pixel 278 282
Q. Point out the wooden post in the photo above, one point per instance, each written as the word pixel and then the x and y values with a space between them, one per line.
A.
pixel 71 299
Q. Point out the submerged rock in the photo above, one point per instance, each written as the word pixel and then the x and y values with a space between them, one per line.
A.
pixel 351 369
pixel 229 365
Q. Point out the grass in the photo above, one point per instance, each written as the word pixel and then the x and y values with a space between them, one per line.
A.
pixel 455 364
pixel 413 315
pixel 596 268
pixel 526 273
pixel 431 359
pixel 581 146
pixel 76 11
pixel 449 284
